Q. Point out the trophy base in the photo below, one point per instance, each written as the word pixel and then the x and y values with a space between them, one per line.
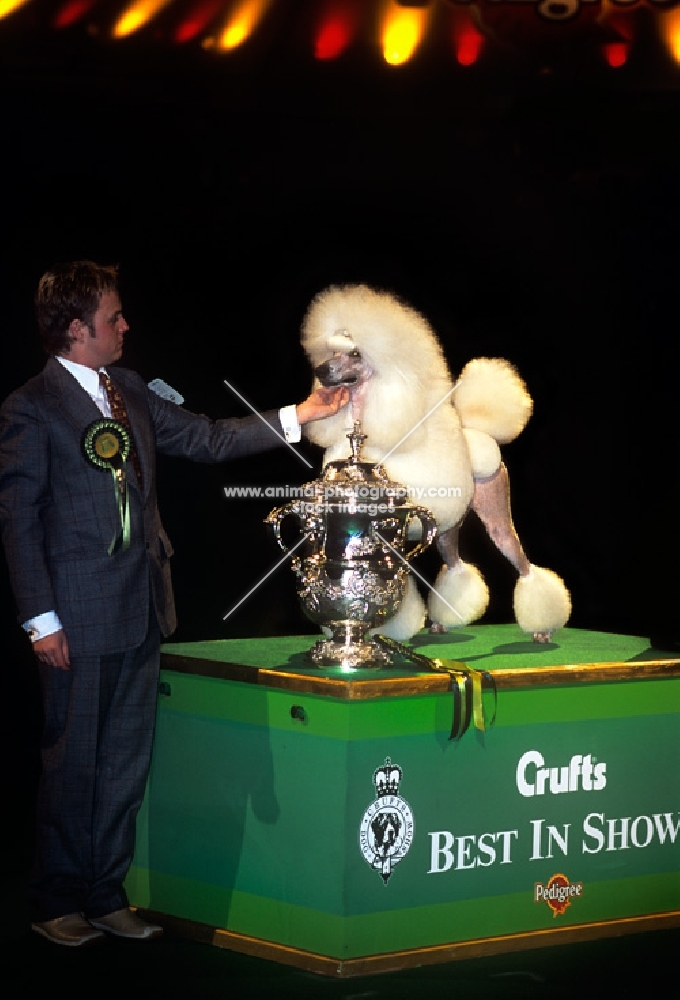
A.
pixel 349 649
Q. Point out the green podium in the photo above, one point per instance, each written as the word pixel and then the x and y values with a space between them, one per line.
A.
pixel 326 819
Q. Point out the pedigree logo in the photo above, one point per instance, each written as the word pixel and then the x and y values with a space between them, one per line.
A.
pixel 558 893
pixel 533 777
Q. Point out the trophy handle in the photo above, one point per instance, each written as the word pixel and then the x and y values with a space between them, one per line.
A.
pixel 274 519
pixel 427 536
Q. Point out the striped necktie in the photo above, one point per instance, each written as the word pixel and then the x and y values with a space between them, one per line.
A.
pixel 119 413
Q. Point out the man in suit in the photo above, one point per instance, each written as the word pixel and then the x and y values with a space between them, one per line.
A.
pixel 89 566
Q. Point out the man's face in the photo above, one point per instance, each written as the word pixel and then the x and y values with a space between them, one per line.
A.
pixel 104 342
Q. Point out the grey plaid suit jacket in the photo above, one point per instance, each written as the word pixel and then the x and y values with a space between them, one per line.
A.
pixel 58 513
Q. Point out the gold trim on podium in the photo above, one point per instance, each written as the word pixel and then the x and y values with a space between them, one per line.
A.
pixel 384 685
pixel 431 955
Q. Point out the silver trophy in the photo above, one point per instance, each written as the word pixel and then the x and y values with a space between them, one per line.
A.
pixel 352 566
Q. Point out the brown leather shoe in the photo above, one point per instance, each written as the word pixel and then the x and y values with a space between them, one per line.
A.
pixel 71 930
pixel 126 924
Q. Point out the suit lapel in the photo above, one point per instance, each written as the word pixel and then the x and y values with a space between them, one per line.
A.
pixel 76 405
pixel 80 410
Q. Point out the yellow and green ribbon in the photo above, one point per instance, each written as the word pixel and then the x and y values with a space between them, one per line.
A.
pixel 467 684
pixel 106 444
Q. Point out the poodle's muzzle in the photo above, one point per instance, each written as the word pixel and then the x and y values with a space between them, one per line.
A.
pixel 346 369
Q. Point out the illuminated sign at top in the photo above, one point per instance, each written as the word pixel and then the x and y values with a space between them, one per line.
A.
pixel 565 10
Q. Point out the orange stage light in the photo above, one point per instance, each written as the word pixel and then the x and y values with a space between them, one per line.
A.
pixel 669 26
pixel 9 6
pixel 136 16
pixel 403 29
pixel 241 24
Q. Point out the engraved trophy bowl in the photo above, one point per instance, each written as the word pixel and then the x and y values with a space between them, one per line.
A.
pixel 352 556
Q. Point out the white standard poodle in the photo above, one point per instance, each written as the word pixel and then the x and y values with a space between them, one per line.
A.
pixel 436 436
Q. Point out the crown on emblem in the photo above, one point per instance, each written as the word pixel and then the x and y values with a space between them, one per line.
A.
pixel 386 778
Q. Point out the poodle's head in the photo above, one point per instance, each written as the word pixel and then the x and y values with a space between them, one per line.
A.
pixel 346 365
pixel 352 333
pixel 388 356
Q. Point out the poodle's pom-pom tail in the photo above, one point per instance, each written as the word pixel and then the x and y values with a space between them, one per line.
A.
pixel 491 396
pixel 409 619
pixel 542 602
pixel 459 596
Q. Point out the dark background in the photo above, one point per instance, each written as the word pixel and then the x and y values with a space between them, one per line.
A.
pixel 527 206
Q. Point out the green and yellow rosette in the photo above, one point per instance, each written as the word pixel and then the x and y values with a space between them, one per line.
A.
pixel 106 445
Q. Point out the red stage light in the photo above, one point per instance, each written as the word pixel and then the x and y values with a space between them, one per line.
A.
pixel 468 43
pixel 333 38
pixel 336 27
pixel 72 12
pixel 198 18
pixel 616 53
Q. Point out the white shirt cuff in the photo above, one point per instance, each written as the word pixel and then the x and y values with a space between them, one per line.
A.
pixel 290 425
pixel 42 625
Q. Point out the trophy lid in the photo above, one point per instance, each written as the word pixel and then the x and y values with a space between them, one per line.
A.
pixel 353 469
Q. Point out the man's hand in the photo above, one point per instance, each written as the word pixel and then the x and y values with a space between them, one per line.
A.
pixel 53 650
pixel 322 403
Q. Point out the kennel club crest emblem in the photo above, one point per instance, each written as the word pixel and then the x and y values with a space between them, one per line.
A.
pixel 387 827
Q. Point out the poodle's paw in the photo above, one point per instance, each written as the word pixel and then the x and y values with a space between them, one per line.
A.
pixel 459 596
pixel 408 620
pixel 542 603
